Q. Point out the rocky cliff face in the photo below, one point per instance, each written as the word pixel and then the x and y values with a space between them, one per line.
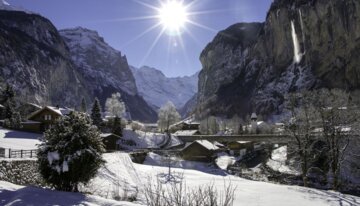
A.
pixel 105 71
pixel 157 89
pixel 304 44
pixel 45 69
pixel 35 60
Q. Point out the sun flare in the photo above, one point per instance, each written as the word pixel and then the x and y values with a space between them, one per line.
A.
pixel 173 16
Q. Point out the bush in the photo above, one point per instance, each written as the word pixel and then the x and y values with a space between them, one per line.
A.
pixel 177 194
pixel 71 152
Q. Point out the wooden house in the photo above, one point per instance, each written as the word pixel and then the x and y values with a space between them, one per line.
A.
pixel 199 150
pixel 28 109
pixel 110 141
pixel 48 115
pixel 240 147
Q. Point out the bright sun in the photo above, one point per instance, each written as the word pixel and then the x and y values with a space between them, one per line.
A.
pixel 173 16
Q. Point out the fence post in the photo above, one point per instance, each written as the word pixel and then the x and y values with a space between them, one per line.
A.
pixel 21 153
pixel 9 153
pixel 30 153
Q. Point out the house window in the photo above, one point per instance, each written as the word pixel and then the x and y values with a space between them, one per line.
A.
pixel 47 117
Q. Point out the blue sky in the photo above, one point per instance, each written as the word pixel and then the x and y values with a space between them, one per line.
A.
pixel 119 23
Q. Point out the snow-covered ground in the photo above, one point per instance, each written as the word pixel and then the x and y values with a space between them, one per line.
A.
pixel 15 195
pixel 144 139
pixel 17 140
pixel 277 162
pixel 119 169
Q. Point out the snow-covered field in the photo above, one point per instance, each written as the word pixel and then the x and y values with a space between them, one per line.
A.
pixel 120 173
pixel 17 140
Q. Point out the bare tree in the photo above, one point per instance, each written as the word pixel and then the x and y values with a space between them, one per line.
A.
pixel 338 120
pixel 300 126
pixel 115 106
pixel 209 125
pixel 167 115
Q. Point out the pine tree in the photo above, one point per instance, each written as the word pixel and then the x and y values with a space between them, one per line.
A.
pixel 96 113
pixel 7 99
pixel 71 152
pixel 83 107
pixel 117 127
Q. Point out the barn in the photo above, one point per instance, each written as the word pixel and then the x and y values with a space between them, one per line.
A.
pixel 199 150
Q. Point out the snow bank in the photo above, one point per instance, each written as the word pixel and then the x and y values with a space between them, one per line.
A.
pixel 224 161
pixel 278 161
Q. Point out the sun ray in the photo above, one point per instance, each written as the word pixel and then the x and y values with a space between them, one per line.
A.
pixel 146 5
pixel 182 45
pixel 210 11
pixel 128 19
pixel 142 34
pixel 152 47
pixel 202 26
pixel 193 37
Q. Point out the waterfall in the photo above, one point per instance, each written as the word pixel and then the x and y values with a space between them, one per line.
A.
pixel 302 31
pixel 297 52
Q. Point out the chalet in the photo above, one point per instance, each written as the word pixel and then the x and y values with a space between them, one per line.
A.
pixel 199 150
pixel 28 109
pixel 110 141
pixel 186 124
pixel 240 147
pixel 47 116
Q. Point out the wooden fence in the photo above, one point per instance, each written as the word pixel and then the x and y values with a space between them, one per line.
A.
pixel 12 153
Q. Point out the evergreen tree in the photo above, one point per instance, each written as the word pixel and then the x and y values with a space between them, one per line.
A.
pixel 96 113
pixel 117 127
pixel 7 94
pixel 83 107
pixel 7 99
pixel 71 152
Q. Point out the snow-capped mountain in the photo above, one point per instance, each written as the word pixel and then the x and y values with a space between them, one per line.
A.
pixel 157 89
pixel 98 61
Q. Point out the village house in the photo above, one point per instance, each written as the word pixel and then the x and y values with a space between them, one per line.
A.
pixel 44 118
pixel 28 109
pixel 186 124
pixel 110 141
pixel 240 148
pixel 199 150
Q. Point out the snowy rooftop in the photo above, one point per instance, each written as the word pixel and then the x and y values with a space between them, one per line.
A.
pixel 105 135
pixel 208 145
pixel 185 132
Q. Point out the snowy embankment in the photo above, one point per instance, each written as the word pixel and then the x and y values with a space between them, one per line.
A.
pixel 12 195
